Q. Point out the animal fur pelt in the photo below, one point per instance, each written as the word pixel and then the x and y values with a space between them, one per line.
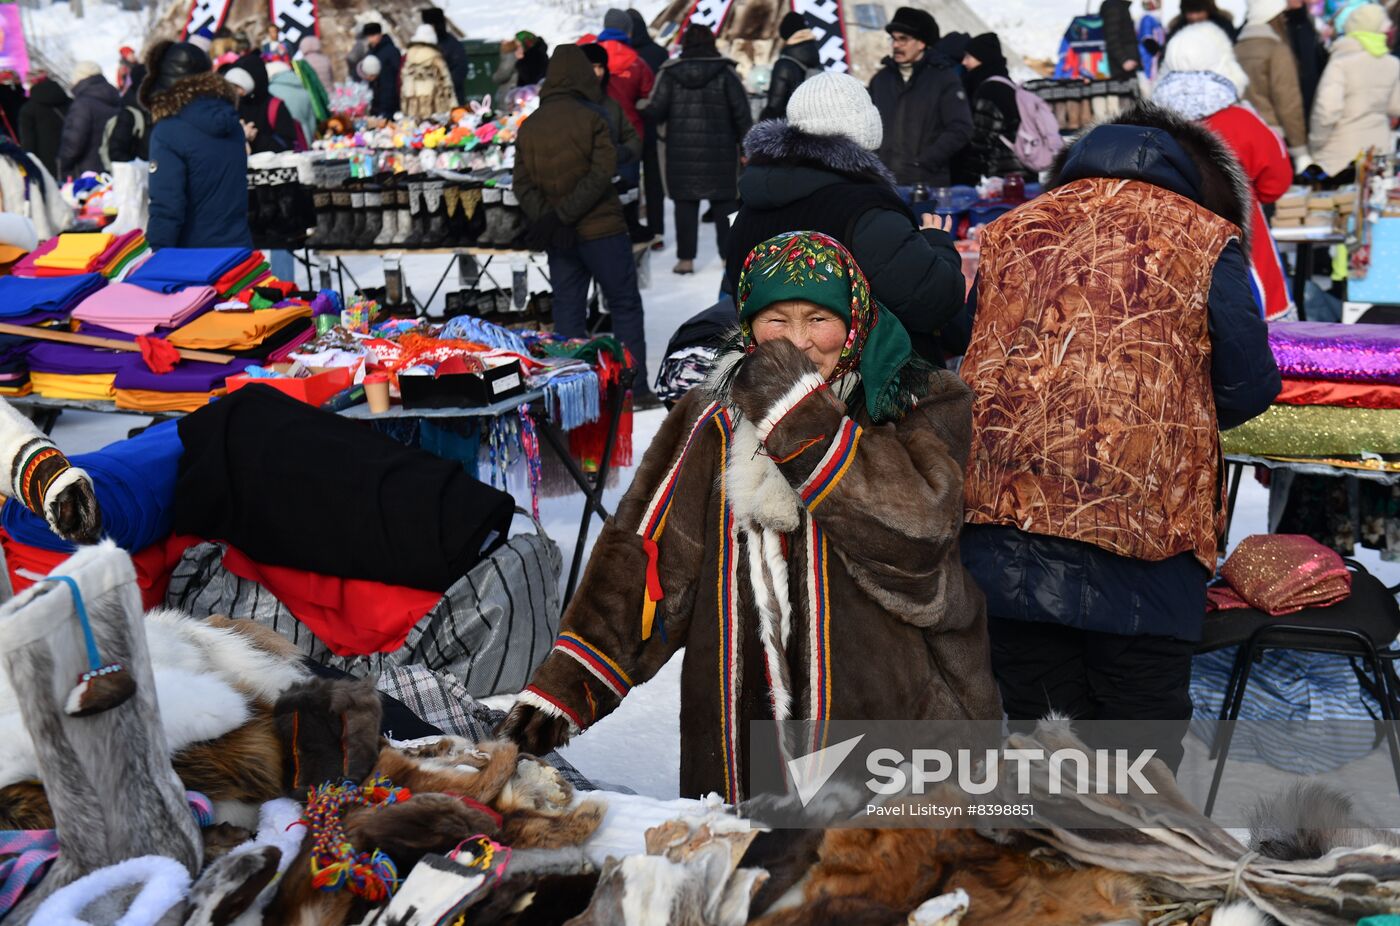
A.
pixel 1309 820
pixel 230 886
pixel 778 141
pixel 329 730
pixel 541 887
pixel 1224 187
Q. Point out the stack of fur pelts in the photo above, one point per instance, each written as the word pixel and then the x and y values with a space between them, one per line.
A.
pixel 1091 859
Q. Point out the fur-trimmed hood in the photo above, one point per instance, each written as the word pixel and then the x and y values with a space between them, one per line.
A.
pixel 776 141
pixel 165 103
pixel 1157 146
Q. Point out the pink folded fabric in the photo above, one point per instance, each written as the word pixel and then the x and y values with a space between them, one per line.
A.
pixel 24 267
pixel 136 310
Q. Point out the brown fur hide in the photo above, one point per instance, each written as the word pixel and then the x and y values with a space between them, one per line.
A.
pixel 23 806
pixel 329 730
pixel 862 870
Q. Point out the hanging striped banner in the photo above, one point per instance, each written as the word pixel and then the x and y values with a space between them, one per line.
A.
pixel 710 13
pixel 295 20
pixel 826 19
pixel 205 14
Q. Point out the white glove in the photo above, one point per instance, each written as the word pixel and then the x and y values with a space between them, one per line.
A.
pixel 1302 159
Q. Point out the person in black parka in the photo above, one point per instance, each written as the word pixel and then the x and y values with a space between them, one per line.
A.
pixel 800 59
pixel 131 133
pixel 653 187
pixel 199 158
pixel 1120 38
pixel 818 171
pixel 995 114
pixel 702 103
pixel 41 122
pixel 453 52
pixel 275 129
pixel 385 87
pixel 1308 50
pixel 94 102
pixel 922 102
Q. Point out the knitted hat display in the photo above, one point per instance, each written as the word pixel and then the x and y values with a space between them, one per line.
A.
pixel 814 268
pixel 836 104
pixel 1204 46
pixel 915 23
pixel 792 23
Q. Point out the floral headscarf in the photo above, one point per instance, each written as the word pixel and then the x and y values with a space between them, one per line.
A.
pixel 816 268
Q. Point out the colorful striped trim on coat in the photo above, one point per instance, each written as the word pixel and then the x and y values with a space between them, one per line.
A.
pixel 819 636
pixel 833 465
pixel 595 661
pixel 728 587
pixel 536 697
pixel 37 473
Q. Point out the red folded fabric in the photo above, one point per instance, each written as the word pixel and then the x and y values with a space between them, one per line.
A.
pixel 353 617
pixel 1350 395
pixel 159 356
pixel 154 565
pixel 239 272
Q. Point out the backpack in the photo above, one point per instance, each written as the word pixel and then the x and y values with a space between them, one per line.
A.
pixel 1038 139
pixel 138 131
pixel 274 107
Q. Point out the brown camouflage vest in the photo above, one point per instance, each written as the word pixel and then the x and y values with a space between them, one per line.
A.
pixel 1090 362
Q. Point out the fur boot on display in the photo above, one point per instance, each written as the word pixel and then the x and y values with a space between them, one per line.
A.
pixel 355 234
pixel 42 480
pixel 108 775
pixel 374 217
pixel 417 215
pixel 329 731
pixel 403 219
pixel 324 216
pixel 343 222
pixel 435 231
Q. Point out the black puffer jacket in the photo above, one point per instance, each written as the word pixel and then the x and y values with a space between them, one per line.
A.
pixel 796 181
pixel 704 110
pixel 994 116
pixel 131 133
pixel 94 102
pixel 1308 51
pixel 1120 37
pixel 927 120
pixel 41 123
pixel 277 129
pixel 794 65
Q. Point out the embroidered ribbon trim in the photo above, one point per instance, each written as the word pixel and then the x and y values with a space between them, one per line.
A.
pixel 595 661
pixel 832 466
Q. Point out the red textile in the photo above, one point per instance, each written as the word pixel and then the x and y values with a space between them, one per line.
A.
pixel 1266 163
pixel 153 565
pixel 160 357
pixel 353 617
pixel 1351 395
pixel 239 272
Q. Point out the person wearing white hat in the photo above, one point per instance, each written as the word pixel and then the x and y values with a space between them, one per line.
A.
pixel 1358 96
pixel 425 85
pixel 1274 90
pixel 818 170
pixel 94 102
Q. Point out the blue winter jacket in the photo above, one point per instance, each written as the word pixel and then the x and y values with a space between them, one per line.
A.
pixel 1034 577
pixel 199 173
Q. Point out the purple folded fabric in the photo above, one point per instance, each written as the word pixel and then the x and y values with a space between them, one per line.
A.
pixel 136 310
pixel 1340 353
pixel 188 376
pixel 75 359
pixel 37 318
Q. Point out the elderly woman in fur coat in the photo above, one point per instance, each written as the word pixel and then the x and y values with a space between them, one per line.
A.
pixel 794 526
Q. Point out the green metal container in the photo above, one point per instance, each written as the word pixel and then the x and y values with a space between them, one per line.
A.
pixel 483 56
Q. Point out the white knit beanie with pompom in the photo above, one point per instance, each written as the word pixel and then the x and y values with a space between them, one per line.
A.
pixel 836 104
pixel 1204 46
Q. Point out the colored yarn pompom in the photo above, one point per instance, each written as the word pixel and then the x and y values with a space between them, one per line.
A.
pixel 335 865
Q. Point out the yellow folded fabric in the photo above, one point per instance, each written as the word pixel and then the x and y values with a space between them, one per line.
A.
pixel 17 391
pixel 235 330
pixel 73 386
pixel 76 251
pixel 148 400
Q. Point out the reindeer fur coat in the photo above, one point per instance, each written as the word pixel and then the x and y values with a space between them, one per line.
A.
pixel 827 587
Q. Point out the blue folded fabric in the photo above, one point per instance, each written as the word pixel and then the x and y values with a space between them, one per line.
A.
pixel 135 484
pixel 21 296
pixel 170 269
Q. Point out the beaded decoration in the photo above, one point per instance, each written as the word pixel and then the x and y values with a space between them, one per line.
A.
pixel 335 865
pixel 482 853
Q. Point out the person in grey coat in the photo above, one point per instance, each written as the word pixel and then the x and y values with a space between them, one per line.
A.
pixel 94 102
pixel 923 106
pixel 700 100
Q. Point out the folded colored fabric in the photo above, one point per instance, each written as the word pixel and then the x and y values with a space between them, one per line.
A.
pixel 188 376
pixel 21 296
pixel 1281 574
pixel 284 352
pixel 135 310
pixel 77 386
pixel 76 252
pixel 353 617
pixel 170 269
pixel 226 281
pixel 134 480
pixel 150 400
pixel 1351 395
pixel 153 565
pixel 24 267
pixel 1323 350
pixel 402 516
pixel 55 357
pixel 1316 431
pixel 235 330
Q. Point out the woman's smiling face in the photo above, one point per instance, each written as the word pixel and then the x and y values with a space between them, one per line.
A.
pixel 818 332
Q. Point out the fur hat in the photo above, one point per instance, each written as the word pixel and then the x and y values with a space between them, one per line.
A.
pixel 240 79
pixel 792 24
pixel 619 20
pixel 915 23
pixel 1263 11
pixel 1204 46
pixel 1369 17
pixel 836 104
pixel 85 69
pixel 424 35
pixel 371 28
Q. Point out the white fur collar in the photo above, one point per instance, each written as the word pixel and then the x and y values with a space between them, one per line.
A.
pixel 756 490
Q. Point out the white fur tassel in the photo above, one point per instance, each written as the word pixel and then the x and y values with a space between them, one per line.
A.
pixel 1238 914
pixel 808 384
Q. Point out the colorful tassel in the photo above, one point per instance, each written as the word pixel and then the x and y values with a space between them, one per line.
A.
pixel 335 865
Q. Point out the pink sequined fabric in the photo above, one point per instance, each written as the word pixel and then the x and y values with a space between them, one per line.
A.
pixel 1280 574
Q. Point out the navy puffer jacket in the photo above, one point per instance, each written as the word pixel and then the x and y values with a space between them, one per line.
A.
pixel 706 114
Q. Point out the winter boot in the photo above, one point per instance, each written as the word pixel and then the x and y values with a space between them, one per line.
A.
pixel 436 209
pixel 374 217
pixel 417 216
pixel 324 217
pixel 389 218
pixel 473 216
pixel 452 204
pixel 403 222
pixel 512 221
pixel 357 216
pixel 340 224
